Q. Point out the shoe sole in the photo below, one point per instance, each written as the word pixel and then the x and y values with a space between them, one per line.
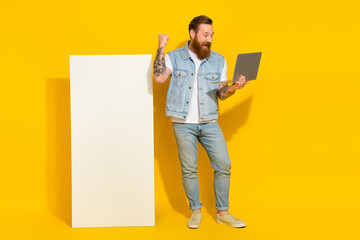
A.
pixel 193 226
pixel 232 225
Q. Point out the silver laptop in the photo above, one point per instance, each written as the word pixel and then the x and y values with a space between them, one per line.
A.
pixel 247 64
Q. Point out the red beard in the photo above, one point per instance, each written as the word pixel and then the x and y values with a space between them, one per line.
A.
pixel 199 50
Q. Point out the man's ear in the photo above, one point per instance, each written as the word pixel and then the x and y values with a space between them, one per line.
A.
pixel 192 33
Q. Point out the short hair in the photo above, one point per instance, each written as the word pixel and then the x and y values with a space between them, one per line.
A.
pixel 202 19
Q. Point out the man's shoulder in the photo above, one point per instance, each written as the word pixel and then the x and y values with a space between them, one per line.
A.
pixel 176 51
pixel 217 55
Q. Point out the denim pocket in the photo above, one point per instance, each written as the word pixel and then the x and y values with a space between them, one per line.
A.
pixel 215 77
pixel 180 77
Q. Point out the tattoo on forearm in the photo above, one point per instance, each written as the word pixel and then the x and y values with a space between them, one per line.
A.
pixel 159 62
pixel 224 93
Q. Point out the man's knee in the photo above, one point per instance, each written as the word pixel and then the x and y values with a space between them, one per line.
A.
pixel 189 173
pixel 223 167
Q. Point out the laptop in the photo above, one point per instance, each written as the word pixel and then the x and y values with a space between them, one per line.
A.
pixel 247 64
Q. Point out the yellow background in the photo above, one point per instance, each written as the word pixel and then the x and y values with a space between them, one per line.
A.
pixel 293 134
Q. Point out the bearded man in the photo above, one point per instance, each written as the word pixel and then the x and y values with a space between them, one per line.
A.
pixel 192 104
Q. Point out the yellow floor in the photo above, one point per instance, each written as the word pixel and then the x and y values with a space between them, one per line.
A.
pixel 264 221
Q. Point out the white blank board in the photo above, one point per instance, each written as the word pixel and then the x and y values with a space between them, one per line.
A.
pixel 112 146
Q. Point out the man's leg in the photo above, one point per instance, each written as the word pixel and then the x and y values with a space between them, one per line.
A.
pixel 186 138
pixel 212 139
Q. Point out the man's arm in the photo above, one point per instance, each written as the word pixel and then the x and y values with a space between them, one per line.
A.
pixel 225 91
pixel 161 72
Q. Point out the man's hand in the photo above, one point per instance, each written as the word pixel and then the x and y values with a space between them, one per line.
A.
pixel 225 91
pixel 163 39
pixel 240 83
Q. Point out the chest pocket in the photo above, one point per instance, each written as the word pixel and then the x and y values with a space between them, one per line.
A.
pixel 180 73
pixel 180 78
pixel 212 77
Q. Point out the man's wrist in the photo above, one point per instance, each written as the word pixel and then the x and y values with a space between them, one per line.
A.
pixel 161 45
pixel 232 88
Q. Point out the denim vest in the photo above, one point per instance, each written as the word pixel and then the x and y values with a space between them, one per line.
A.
pixel 182 79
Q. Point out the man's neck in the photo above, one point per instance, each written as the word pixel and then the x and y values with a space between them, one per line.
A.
pixel 190 47
pixel 192 51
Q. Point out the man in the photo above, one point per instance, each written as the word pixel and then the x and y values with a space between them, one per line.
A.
pixel 192 104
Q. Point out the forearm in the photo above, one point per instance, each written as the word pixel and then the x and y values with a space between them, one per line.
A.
pixel 225 91
pixel 159 65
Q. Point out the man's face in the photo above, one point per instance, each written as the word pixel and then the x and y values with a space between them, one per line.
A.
pixel 201 41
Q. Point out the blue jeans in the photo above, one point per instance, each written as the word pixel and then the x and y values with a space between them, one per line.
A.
pixel 212 139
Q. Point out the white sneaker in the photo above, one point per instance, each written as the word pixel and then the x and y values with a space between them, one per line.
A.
pixel 230 220
pixel 195 219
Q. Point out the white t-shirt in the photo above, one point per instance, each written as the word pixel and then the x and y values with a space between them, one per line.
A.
pixel 193 114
